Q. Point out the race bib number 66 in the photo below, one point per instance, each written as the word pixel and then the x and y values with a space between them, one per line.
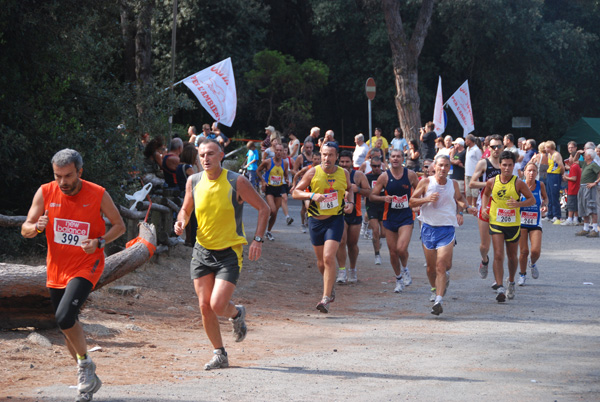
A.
pixel 70 233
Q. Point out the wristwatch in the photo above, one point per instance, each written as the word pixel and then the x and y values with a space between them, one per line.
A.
pixel 101 242
pixel 259 239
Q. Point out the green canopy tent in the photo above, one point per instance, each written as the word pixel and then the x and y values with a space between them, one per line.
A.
pixel 584 130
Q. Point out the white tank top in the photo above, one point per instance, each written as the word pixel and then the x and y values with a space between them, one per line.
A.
pixel 443 211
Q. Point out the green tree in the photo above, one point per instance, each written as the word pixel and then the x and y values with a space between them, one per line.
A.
pixel 286 88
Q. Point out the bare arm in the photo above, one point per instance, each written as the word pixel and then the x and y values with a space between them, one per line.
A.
pixel 417 199
pixel 247 193
pixel 363 187
pixel 183 216
pixel 36 217
pixel 485 198
pixel 299 193
pixel 523 189
pixel 544 206
pixel 349 196
pixel 380 184
pixel 479 169
pixel 108 208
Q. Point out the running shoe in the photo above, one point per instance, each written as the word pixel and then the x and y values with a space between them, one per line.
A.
pixel 582 233
pixel 342 276
pixel 269 236
pixel 501 297
pixel 303 228
pixel 377 259
pixel 447 282
pixel 437 309
pixel 399 286
pixel 483 268
pixel 433 295
pixel 495 286
pixel 219 360
pixel 86 375
pixel 568 223
pixel 363 227
pixel 369 234
pixel 332 298
pixel 522 279
pixel 239 324
pixel 407 278
pixel 352 277
pixel 593 233
pixel 510 293
pixel 323 305
pixel 535 273
pixel 289 220
pixel 557 222
pixel 89 396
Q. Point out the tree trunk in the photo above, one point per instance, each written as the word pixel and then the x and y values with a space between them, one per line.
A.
pixel 405 56
pixel 24 298
pixel 128 34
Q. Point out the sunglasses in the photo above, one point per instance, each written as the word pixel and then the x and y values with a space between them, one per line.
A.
pixel 375 166
pixel 426 166
pixel 496 146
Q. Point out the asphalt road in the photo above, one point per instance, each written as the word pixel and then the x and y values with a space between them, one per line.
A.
pixel 542 346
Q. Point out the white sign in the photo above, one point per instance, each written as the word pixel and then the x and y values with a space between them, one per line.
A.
pixel 460 102
pixel 215 89
pixel 438 111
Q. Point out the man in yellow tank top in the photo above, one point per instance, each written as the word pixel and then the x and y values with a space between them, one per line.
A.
pixel 331 196
pixel 556 168
pixel 504 215
pixel 216 196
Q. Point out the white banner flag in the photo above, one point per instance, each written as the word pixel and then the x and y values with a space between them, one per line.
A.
pixel 438 111
pixel 460 102
pixel 215 89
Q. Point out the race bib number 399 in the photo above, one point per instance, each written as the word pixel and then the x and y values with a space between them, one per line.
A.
pixel 330 201
pixel 70 233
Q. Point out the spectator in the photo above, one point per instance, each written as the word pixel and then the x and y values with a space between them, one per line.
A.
pixel 313 137
pixel 269 131
pixel 457 159
pixel 170 161
pixel 216 134
pixel 251 165
pixel 472 156
pixel 412 157
pixel 529 148
pixel 485 149
pixel 294 145
pixel 587 196
pixel 573 183
pixel 399 142
pixel 555 170
pixel 153 156
pixel 360 151
pixel 204 134
pixel 373 140
pixel 192 133
pixel 445 146
pixel 329 137
pixel 428 137
pixel 378 147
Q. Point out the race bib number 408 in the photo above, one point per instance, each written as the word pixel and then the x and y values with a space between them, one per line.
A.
pixel 70 233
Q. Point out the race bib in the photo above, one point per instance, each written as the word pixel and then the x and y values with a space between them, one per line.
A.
pixel 330 201
pixel 529 218
pixel 70 233
pixel 275 181
pixel 373 183
pixel 400 202
pixel 506 216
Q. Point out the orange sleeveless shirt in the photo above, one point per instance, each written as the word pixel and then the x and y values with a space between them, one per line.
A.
pixel 73 219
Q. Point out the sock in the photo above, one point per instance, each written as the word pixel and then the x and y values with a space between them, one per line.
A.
pixel 85 356
pixel 406 270
pixel 399 277
pixel 342 268
pixel 438 299
pixel 586 227
pixel 595 226
pixel 376 252
pixel 223 351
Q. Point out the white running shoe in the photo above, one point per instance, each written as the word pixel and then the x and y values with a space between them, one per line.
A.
pixel 406 277
pixel 433 295
pixel 219 360
pixel 342 276
pixel 483 269
pixel 352 276
pixel 369 234
pixel 86 375
pixel 303 228
pixel 534 271
pixel 500 295
pixel 510 293
pixel 399 286
pixel 269 236
pixel 377 259
pixel 363 227
pixel 522 279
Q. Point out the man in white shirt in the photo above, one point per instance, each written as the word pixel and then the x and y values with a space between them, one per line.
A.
pixel 360 152
pixel 472 157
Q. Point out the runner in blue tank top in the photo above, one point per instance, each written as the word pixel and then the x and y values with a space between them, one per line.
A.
pixel 531 225
pixel 398 219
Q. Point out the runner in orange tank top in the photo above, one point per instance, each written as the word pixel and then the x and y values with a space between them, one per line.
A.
pixel 69 211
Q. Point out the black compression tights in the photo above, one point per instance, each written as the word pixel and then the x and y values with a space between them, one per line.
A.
pixel 69 300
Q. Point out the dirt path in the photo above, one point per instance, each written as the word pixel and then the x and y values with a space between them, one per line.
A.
pixel 374 345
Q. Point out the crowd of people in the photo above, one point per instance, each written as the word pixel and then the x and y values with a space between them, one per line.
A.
pixel 510 188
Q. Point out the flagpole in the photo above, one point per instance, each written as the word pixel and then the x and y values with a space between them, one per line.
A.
pixel 173 47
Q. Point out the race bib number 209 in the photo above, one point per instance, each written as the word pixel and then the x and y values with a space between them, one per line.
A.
pixel 69 232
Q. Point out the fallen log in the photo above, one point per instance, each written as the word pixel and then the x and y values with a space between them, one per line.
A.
pixel 24 298
pixel 11 221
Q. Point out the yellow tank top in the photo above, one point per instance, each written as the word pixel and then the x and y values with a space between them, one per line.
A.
pixel 217 210
pixel 274 176
pixel 552 166
pixel 333 186
pixel 500 213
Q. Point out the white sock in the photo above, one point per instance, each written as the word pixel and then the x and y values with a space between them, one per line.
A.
pixel 595 226
pixel 569 219
pixel 586 226
pixel 405 269
pixel 438 299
